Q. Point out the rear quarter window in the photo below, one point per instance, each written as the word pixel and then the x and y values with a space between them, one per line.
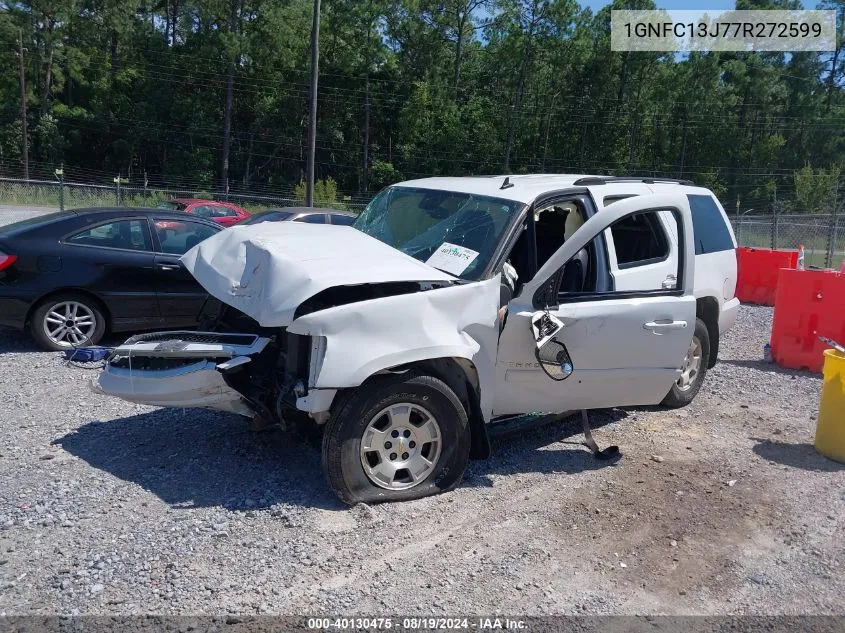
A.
pixel 710 231
pixel 38 221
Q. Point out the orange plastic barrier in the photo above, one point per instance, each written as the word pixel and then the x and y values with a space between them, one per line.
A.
pixel 808 303
pixel 757 273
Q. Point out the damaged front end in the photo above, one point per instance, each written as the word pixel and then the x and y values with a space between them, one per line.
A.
pixel 251 374
pixel 311 309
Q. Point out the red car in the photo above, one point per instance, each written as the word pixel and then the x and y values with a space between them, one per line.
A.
pixel 224 213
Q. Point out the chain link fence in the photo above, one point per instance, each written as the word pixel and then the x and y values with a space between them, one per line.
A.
pixel 62 195
pixel 823 236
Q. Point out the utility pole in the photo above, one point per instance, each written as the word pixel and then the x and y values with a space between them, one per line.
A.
pixel 312 114
pixel 831 237
pixel 366 166
pixel 684 148
pixel 548 125
pixel 24 141
pixel 365 169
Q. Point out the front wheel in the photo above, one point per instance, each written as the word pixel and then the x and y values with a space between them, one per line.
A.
pixel 396 438
pixel 693 369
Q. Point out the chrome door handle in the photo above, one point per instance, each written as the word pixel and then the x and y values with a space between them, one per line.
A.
pixel 168 266
pixel 670 283
pixel 660 326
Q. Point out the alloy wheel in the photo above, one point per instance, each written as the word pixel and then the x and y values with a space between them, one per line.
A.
pixel 400 446
pixel 69 323
pixel 691 367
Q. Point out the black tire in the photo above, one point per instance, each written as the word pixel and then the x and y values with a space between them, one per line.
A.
pixel 37 321
pixel 681 397
pixel 342 458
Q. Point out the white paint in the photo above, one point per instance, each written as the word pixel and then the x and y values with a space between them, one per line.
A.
pixel 316 401
pixel 267 270
pixel 365 338
pixel 525 188
pixel 715 273
pixel 619 356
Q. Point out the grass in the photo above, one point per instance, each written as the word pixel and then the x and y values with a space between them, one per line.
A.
pixel 814 237
pixel 78 197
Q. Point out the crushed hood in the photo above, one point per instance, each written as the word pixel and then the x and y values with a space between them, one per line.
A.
pixel 267 270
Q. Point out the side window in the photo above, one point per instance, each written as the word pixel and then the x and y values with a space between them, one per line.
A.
pixel 639 239
pixel 553 226
pixel 709 230
pixel 179 236
pixel 646 256
pixel 343 220
pixel 219 211
pixel 312 218
pixel 202 211
pixel 126 234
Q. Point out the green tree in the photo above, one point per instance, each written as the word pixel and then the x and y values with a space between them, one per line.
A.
pixel 815 189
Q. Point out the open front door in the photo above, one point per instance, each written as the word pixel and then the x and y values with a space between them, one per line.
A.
pixel 612 348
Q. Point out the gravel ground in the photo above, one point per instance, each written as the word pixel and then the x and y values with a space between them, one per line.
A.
pixel 719 508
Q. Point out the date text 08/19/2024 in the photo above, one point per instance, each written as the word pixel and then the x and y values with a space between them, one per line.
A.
pixel 416 624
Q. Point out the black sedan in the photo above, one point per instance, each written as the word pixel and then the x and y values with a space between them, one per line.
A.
pixel 74 275
pixel 311 215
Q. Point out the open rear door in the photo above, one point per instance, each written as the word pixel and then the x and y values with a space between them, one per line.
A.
pixel 605 349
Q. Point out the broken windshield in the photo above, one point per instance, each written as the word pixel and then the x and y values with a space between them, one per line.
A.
pixel 452 231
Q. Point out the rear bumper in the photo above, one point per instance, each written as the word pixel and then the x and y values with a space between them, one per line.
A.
pixel 192 375
pixel 727 317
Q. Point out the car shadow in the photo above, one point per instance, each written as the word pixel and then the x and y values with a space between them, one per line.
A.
pixel 16 342
pixel 523 445
pixel 803 456
pixel 193 458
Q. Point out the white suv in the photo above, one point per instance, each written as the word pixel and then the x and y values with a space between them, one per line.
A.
pixel 449 303
pixel 715 264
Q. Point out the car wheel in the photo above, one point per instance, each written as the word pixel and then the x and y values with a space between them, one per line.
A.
pixel 693 369
pixel 395 438
pixel 66 321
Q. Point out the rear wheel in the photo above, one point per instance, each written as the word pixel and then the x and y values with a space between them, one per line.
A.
pixel 693 369
pixel 66 321
pixel 396 438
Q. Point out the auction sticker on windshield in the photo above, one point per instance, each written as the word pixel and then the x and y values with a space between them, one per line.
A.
pixel 452 258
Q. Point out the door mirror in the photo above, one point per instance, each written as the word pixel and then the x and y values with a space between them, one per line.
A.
pixel 551 354
pixel 555 360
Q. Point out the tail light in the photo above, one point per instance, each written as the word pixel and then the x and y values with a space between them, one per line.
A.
pixel 6 260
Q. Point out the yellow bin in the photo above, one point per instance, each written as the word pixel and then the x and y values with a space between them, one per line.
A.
pixel 830 430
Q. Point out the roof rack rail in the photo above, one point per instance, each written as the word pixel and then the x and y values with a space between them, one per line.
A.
pixel 603 180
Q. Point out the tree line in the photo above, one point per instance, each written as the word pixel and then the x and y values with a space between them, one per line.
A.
pixel 214 93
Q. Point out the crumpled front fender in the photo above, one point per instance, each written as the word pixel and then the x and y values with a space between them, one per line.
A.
pixel 362 339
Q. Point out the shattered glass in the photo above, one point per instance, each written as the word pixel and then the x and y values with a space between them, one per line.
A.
pixel 418 221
